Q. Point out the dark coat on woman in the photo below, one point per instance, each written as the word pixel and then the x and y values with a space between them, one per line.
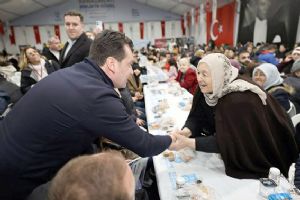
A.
pixel 251 137
pixel 27 81
pixel 281 95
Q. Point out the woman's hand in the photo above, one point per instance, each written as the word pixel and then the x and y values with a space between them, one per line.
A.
pixel 185 132
pixel 180 142
pixel 140 122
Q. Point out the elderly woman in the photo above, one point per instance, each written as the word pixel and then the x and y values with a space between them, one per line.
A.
pixel 34 68
pixel 186 77
pixel 237 119
pixel 267 76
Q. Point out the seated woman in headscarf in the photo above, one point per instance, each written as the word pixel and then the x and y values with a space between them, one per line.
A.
pixel 234 117
pixel 34 68
pixel 186 75
pixel 267 76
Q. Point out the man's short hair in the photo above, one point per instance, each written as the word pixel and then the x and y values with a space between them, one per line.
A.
pixel 92 177
pixel 109 43
pixel 242 52
pixel 74 13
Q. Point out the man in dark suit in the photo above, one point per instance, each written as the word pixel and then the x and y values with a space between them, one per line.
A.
pixel 60 117
pixel 262 27
pixel 78 45
pixel 52 52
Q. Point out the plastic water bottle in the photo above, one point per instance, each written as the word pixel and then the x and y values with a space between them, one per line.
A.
pixel 274 174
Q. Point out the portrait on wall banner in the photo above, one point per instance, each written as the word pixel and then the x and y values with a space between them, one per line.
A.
pixel 269 21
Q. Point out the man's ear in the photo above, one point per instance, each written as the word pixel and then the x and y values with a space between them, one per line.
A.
pixel 110 63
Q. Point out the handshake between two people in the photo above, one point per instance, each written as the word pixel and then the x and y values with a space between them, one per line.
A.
pixel 180 140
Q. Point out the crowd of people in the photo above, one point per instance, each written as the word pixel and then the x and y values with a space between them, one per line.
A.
pixel 68 97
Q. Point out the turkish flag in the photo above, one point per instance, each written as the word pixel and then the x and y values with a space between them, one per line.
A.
pixel 57 31
pixel 221 30
pixel 120 25
pixel 37 35
pixel 163 28
pixel 142 30
pixel 12 36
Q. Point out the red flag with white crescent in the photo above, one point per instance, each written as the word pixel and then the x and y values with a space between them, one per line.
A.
pixel 221 28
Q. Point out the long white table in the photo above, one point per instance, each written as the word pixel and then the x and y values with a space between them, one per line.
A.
pixel 209 167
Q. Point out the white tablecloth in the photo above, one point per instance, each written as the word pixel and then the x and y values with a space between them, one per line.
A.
pixel 208 166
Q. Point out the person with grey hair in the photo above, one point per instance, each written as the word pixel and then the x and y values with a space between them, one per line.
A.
pixel 53 48
pixel 296 68
pixel 286 65
pixel 232 116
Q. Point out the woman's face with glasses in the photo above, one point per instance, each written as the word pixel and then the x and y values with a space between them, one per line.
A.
pixel 33 56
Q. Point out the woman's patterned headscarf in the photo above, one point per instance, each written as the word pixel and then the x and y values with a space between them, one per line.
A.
pixel 224 79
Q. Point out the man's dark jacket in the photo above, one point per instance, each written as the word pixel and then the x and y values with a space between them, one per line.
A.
pixel 77 53
pixel 49 55
pixel 57 120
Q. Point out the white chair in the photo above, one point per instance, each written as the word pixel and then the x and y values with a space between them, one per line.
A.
pixel 292 110
pixel 296 119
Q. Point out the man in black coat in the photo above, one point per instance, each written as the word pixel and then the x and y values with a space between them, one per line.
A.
pixel 78 45
pixel 60 117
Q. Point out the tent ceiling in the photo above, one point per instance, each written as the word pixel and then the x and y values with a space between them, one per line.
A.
pixel 175 6
pixel 12 9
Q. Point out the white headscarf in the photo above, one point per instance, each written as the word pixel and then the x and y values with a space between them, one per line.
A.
pixel 272 75
pixel 224 79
